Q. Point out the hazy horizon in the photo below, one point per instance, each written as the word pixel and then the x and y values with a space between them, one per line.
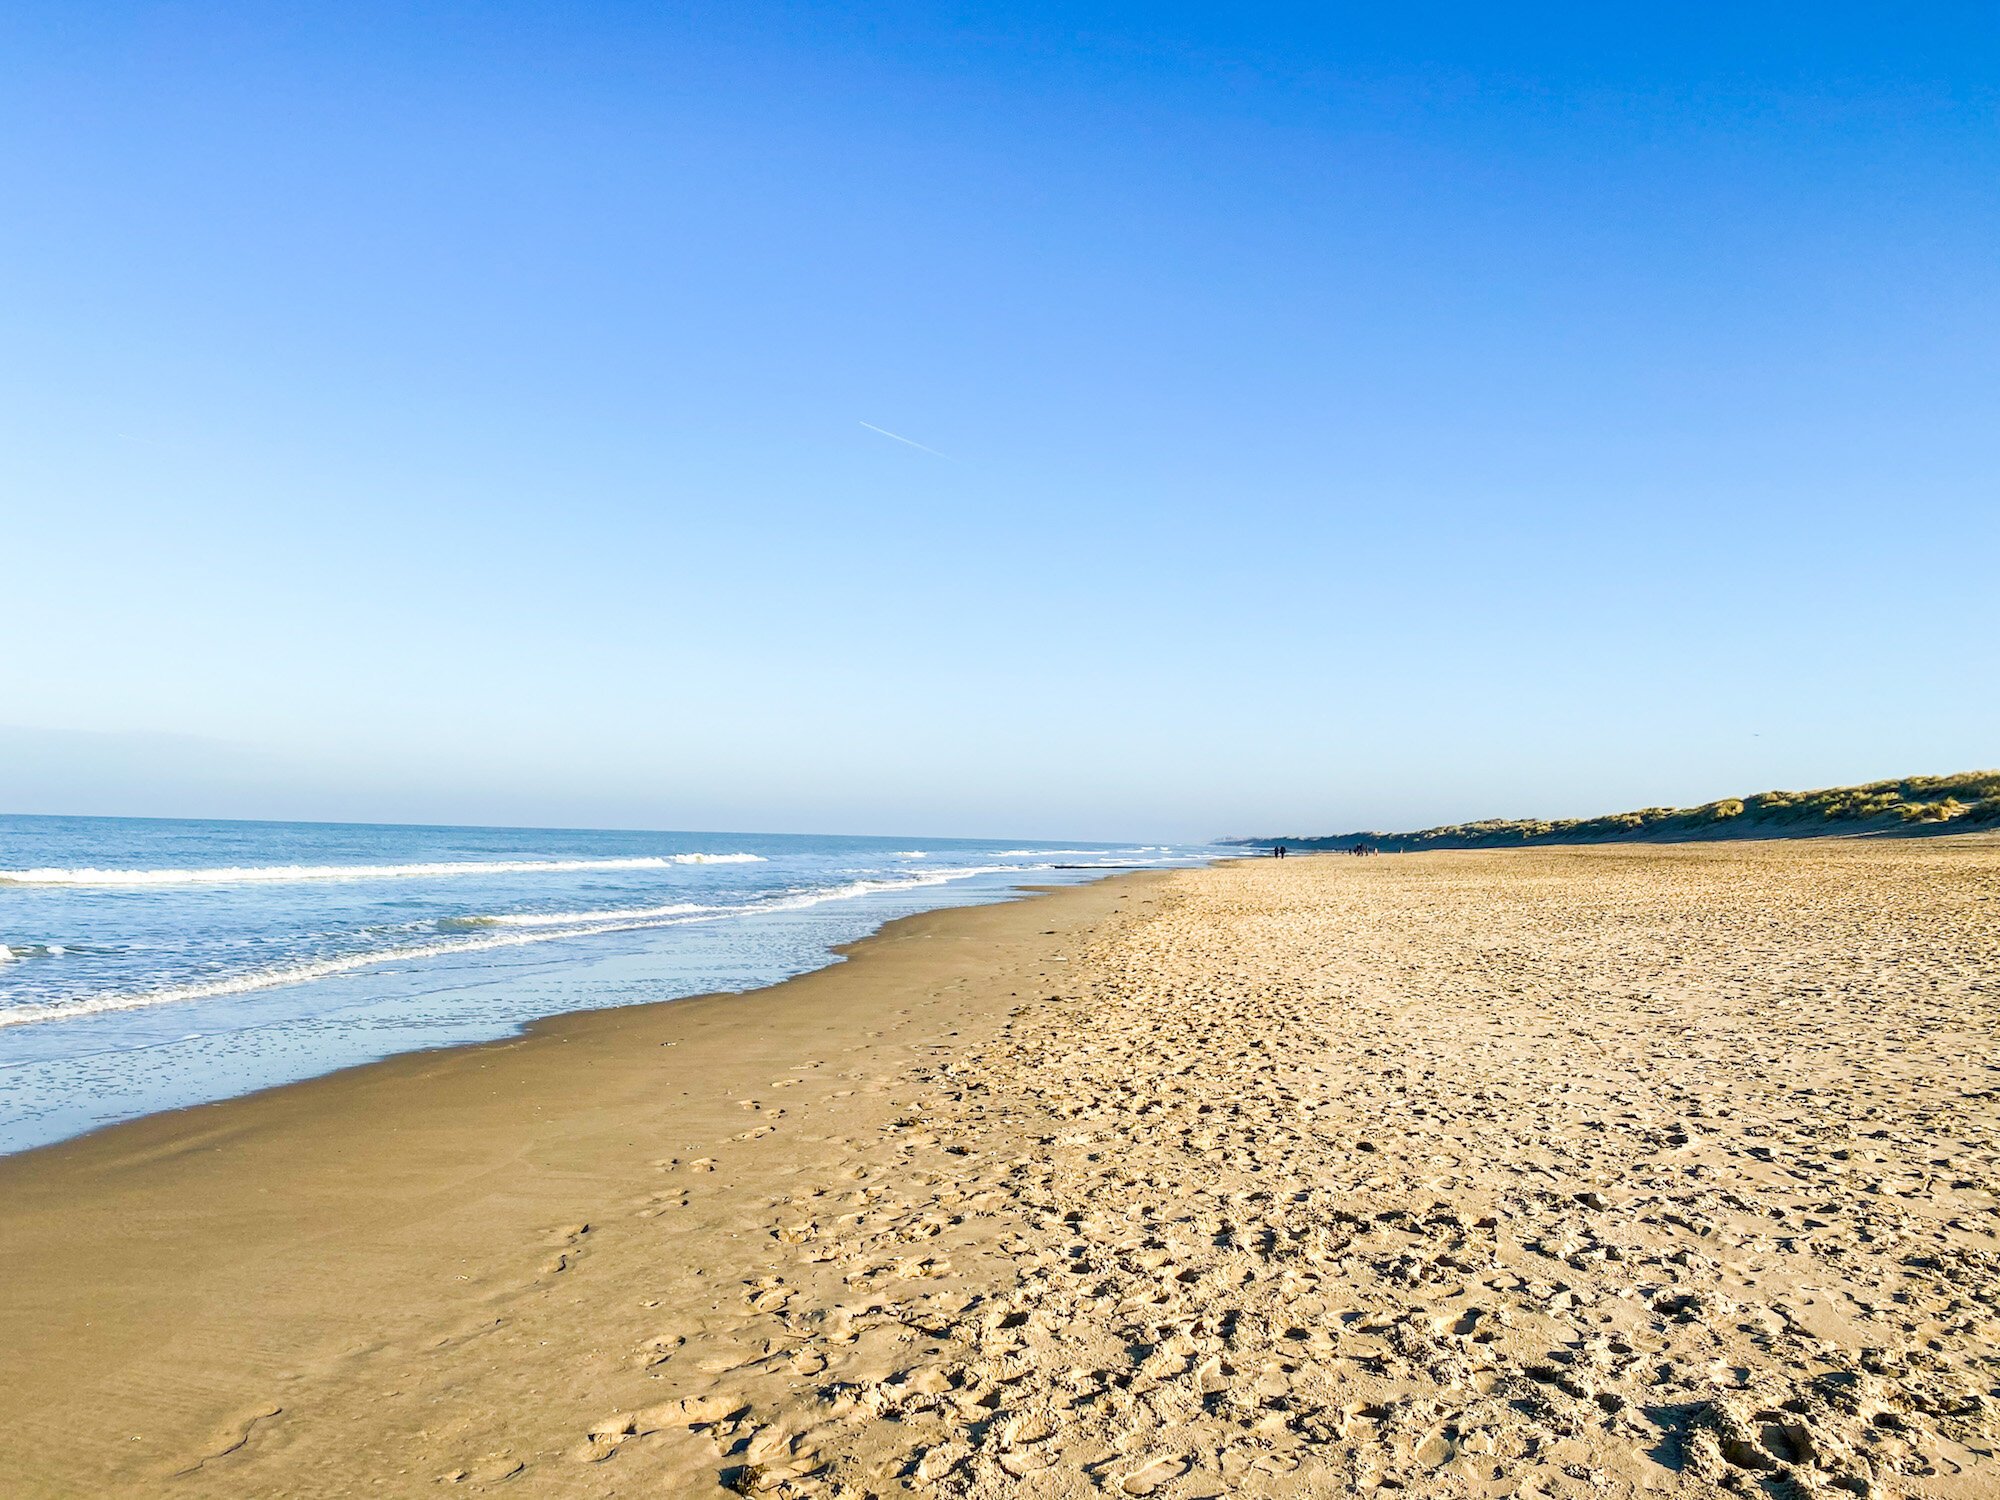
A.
pixel 1073 421
pixel 1025 833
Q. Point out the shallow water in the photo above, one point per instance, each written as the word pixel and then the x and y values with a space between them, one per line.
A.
pixel 157 963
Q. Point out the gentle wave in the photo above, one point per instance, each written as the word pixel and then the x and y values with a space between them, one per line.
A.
pixel 579 918
pixel 30 950
pixel 263 979
pixel 853 888
pixel 572 925
pixel 616 917
pixel 244 874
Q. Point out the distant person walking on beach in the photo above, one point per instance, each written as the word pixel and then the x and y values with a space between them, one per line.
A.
pixel 1278 852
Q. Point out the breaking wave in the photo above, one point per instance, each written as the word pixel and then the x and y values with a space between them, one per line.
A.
pixel 577 918
pixel 277 874
pixel 10 952
pixel 260 979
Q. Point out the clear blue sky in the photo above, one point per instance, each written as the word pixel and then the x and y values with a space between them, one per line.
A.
pixel 1350 415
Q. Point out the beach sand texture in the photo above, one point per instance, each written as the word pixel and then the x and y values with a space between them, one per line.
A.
pixel 1558 1172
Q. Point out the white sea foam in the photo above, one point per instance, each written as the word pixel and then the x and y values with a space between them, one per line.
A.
pixel 914 854
pixel 582 918
pixel 853 888
pixel 559 925
pixel 301 973
pixel 245 874
pixel 258 979
pixel 616 918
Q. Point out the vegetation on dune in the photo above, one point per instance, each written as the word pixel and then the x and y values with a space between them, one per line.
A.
pixel 1915 804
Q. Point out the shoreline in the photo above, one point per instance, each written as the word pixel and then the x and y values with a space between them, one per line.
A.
pixel 149 1053
pixel 137 1250
pixel 834 956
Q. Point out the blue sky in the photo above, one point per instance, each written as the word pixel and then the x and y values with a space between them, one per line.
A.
pixel 1348 415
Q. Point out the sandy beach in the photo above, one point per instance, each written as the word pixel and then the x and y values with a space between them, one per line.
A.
pixel 1562 1172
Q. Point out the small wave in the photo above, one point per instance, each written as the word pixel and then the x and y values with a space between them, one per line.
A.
pixel 246 874
pixel 914 854
pixel 262 979
pixel 275 978
pixel 900 883
pixel 9 952
pixel 589 918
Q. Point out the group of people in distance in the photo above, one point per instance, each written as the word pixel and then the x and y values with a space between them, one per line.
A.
pixel 1278 850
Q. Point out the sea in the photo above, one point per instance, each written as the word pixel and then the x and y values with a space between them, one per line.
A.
pixel 152 964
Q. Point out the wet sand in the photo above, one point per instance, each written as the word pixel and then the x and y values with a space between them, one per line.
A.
pixel 1552 1172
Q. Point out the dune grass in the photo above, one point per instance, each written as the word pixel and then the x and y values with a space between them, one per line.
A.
pixel 1914 804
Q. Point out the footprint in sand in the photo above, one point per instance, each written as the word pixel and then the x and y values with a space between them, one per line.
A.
pixel 658 1349
pixel 571 1237
pixel 1151 1474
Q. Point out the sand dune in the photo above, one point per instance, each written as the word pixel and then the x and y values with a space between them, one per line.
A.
pixel 1559 1173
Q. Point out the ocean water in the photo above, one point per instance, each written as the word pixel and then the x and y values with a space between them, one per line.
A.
pixel 148 964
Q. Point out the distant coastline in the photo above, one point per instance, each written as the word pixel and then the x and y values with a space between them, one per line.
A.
pixel 1960 803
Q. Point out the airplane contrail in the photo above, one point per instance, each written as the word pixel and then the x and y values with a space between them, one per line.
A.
pixel 901 439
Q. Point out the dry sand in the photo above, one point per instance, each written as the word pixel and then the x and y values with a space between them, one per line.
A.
pixel 1555 1172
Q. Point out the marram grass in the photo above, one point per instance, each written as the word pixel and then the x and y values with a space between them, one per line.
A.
pixel 1922 804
